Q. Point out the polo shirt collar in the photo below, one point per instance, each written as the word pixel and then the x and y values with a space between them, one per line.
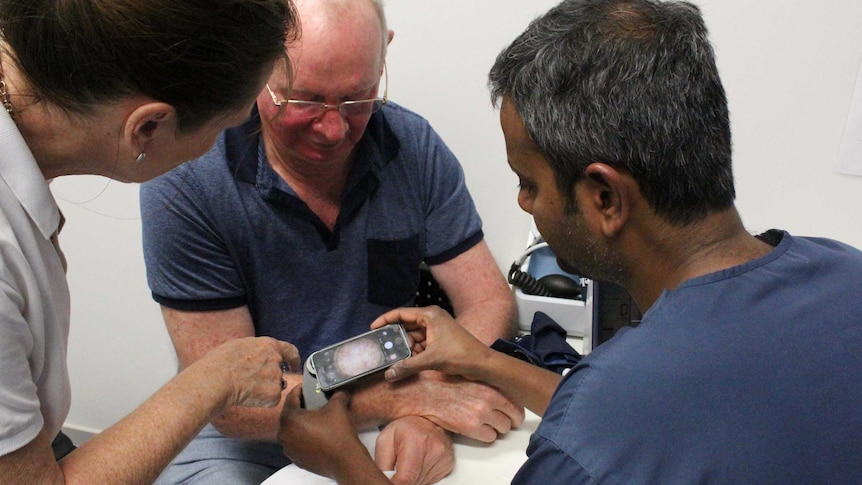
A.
pixel 21 173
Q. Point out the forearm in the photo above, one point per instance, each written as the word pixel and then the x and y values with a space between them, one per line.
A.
pixel 259 424
pixel 527 384
pixel 360 469
pixel 490 320
pixel 194 334
pixel 375 402
pixel 455 404
pixel 137 448
pixel 481 298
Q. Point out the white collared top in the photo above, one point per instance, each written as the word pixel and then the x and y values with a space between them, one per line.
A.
pixel 34 299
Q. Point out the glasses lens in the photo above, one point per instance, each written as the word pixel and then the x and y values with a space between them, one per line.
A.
pixel 360 108
pixel 304 109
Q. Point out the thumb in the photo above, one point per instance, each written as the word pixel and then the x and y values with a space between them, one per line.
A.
pixel 407 367
pixel 293 398
pixel 339 399
pixel 385 452
pixel 289 411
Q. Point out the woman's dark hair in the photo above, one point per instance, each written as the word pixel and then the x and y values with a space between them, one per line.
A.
pixel 203 57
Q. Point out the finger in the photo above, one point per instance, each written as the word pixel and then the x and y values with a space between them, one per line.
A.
pixel 288 413
pixel 339 399
pixel 409 467
pixel 384 451
pixel 293 398
pixel 417 339
pixel 407 367
pixel 484 433
pixel 385 319
pixel 513 412
pixel 441 468
pixel 501 422
pixel 409 317
pixel 289 355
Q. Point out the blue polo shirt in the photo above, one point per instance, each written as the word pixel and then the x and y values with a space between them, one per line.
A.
pixel 750 374
pixel 225 231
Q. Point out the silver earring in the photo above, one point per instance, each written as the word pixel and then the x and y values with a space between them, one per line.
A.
pixel 141 157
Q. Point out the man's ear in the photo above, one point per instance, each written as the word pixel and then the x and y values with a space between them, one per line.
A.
pixel 148 122
pixel 609 195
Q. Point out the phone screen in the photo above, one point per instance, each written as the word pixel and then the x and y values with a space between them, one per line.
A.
pixel 359 356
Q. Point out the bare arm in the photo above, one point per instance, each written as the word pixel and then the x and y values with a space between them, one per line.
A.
pixel 442 345
pixel 473 409
pixel 480 296
pixel 196 333
pixel 135 450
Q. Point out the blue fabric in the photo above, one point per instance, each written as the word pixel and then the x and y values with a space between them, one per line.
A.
pixel 225 231
pixel 545 345
pixel 746 375
pixel 212 459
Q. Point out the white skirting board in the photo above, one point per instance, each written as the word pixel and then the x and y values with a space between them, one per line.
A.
pixel 78 434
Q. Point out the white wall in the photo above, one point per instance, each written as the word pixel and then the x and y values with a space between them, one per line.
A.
pixel 788 66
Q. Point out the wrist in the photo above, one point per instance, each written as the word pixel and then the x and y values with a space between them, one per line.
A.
pixel 484 367
pixel 206 377
pixel 196 390
pixel 378 401
pixel 358 468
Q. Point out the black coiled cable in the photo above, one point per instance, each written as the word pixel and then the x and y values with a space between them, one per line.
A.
pixel 526 282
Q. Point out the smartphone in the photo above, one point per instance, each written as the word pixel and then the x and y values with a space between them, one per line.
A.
pixel 359 356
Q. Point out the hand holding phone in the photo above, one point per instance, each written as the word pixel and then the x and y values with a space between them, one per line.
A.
pixel 441 344
pixel 359 356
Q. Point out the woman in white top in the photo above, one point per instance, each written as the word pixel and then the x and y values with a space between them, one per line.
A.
pixel 126 89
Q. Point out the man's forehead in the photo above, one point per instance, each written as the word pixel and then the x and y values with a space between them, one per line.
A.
pixel 517 137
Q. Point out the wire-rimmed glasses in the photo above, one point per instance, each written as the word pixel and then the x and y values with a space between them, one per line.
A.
pixel 300 109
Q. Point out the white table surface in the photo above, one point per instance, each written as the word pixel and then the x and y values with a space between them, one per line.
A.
pixel 475 462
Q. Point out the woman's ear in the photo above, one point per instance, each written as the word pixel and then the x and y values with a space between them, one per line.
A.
pixel 147 122
pixel 608 193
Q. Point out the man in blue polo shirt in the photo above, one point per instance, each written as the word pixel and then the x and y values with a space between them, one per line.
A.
pixel 308 222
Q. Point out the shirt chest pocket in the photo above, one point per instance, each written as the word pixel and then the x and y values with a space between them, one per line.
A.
pixel 393 271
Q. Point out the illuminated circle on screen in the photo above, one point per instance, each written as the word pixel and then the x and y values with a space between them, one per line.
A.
pixel 358 357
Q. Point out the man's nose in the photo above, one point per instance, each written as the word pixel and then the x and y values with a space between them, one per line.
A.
pixel 332 125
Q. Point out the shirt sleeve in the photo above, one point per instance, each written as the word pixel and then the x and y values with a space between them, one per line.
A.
pixel 20 411
pixel 188 264
pixel 452 223
pixel 547 463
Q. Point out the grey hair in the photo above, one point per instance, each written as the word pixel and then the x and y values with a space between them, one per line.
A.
pixel 630 83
